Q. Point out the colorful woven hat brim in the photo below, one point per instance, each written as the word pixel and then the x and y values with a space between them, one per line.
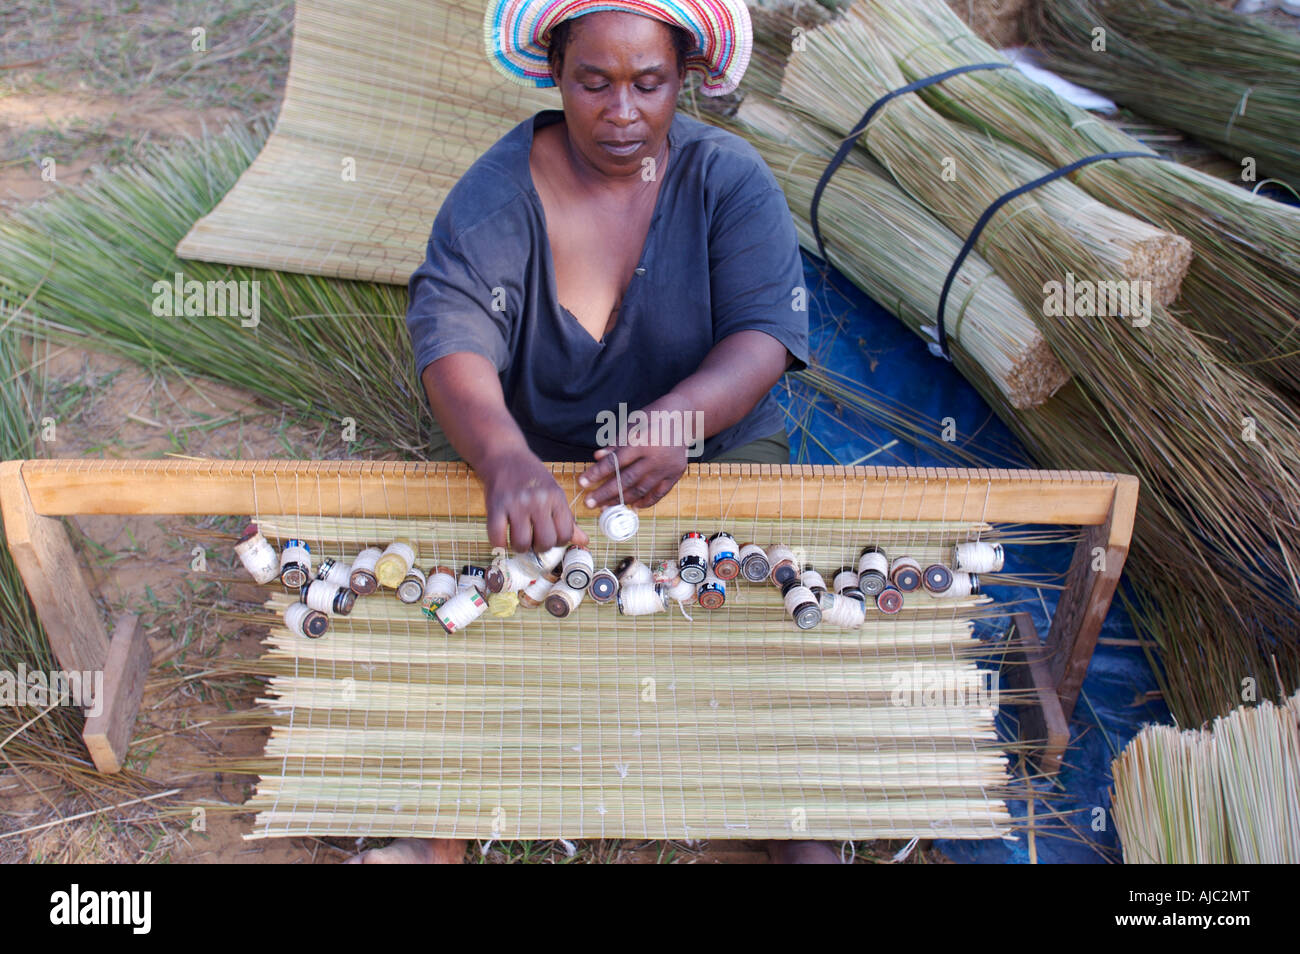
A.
pixel 516 34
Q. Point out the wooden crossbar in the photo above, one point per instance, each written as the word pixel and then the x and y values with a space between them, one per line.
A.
pixel 35 493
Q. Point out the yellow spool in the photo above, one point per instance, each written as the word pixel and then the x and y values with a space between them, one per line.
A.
pixel 395 563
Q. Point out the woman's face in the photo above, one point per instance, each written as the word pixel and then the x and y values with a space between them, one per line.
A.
pixel 619 83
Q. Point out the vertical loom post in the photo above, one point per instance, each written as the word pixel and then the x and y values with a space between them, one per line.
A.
pixel 52 574
pixel 1090 585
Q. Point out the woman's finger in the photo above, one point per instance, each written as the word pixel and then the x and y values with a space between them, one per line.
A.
pixel 635 480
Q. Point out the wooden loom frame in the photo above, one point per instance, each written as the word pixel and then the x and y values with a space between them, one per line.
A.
pixel 35 493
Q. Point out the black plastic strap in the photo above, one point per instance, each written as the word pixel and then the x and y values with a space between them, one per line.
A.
pixel 847 145
pixel 998 203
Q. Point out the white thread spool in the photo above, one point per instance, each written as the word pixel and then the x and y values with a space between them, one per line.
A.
pixel 363 580
pixel 305 621
pixel 411 589
pixel 978 557
pixel 391 568
pixel 843 611
pixel 905 573
pixel 781 559
pixel 548 561
pixel 963 585
pixel 257 555
pixel 679 591
pixel 753 563
pixel 473 576
pixel 723 556
pixel 642 599
pixel 578 567
pixel 632 572
pixel 712 593
pixel 329 597
pixel 664 571
pixel 873 570
pixel 693 557
pixel 461 610
pixel 438 588
pixel 334 571
pixel 508 575
pixel 814 581
pixel 603 586
pixel 295 564
pixel 802 605
pixel 561 600
pixel 533 594
pixel 619 523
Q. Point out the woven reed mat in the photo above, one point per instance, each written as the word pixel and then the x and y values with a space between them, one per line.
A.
pixel 732 725
pixel 401 91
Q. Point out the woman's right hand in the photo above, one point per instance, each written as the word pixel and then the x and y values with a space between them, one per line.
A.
pixel 522 495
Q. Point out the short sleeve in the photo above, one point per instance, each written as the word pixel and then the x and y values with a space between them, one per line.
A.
pixel 452 308
pixel 755 268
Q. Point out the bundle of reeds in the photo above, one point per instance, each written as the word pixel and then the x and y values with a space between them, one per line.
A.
pixel 908 258
pixel 1192 447
pixel 1243 289
pixel 1231 80
pixel 1226 795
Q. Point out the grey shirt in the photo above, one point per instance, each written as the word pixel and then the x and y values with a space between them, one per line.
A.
pixel 721 256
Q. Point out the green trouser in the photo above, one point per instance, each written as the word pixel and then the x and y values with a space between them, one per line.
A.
pixel 773 449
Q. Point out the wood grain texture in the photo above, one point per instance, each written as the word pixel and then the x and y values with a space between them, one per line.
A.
pixel 108 734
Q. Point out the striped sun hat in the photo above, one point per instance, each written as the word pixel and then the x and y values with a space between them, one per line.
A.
pixel 517 32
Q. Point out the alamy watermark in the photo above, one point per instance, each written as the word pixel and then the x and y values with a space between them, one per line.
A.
pixel 930 687
pixel 181 298
pixel 622 428
pixel 1083 298
pixel 39 690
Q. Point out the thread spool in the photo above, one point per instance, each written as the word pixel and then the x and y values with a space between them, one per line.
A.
pixel 327 597
pixel 295 564
pixel 889 600
pixel 845 583
pixel 664 571
pixel 257 555
pixel 305 621
pixel 461 610
pixel 873 571
pixel 753 563
pixel 978 557
pixel 801 604
pixel 937 578
pixel 693 557
pixel 781 559
pixel 362 579
pixel 681 592
pixel 541 564
pixel 905 573
pixel 723 556
pixel 411 589
pixel 712 593
pixel 507 575
pixel 472 576
pixel 603 585
pixel 562 599
pixel 578 567
pixel 632 572
pixel 503 605
pixel 642 599
pixel 963 585
pixel 438 589
pixel 845 611
pixel 334 571
pixel 619 523
pixel 532 595
pixel 814 581
pixel 395 562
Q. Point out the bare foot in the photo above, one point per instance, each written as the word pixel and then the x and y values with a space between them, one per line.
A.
pixel 414 851
pixel 802 853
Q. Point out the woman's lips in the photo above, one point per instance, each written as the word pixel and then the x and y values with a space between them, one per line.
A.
pixel 624 149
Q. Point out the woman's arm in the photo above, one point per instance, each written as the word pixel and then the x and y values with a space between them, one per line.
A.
pixel 521 493
pixel 730 381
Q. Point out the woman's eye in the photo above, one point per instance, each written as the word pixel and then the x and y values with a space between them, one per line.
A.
pixel 646 89
pixel 594 89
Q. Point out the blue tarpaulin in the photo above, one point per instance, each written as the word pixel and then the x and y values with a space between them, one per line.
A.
pixel 854 337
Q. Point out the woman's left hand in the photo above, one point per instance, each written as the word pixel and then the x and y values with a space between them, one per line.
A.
pixel 646 473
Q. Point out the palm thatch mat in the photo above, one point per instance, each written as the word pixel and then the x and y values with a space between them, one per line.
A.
pixel 733 725
pixel 398 92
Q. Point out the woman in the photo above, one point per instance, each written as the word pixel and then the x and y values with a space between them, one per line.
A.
pixel 611 253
